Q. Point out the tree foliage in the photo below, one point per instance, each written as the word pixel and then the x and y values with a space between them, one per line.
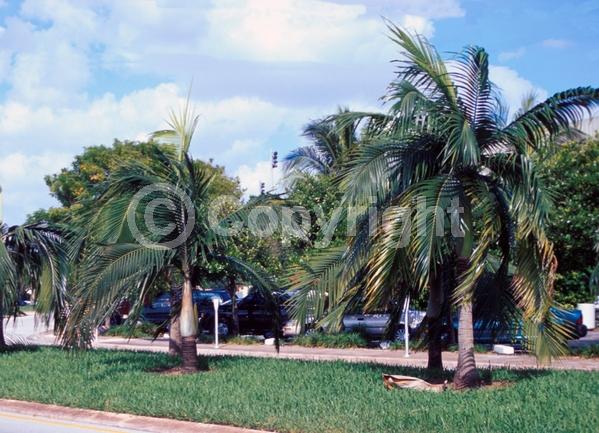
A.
pixel 571 173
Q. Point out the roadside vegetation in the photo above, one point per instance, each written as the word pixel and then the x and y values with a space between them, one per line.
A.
pixel 299 397
pixel 343 340
pixel 591 351
pixel 139 330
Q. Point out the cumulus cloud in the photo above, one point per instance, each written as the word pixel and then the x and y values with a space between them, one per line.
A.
pixel 231 130
pixel 287 30
pixel 312 30
pixel 513 87
pixel 22 182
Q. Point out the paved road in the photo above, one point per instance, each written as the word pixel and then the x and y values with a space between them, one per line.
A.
pixel 13 423
pixel 24 329
pixel 29 417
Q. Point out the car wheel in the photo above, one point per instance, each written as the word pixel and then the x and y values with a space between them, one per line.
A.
pixel 223 329
pixel 400 335
pixel 582 331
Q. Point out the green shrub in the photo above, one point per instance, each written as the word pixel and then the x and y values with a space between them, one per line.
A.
pixel 591 351
pixel 246 340
pixel 342 340
pixel 140 330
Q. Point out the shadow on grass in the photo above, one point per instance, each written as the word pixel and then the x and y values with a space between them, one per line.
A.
pixel 117 362
pixel 489 376
pixel 15 348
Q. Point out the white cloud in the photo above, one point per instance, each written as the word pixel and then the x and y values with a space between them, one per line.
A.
pixel 513 86
pixel 286 30
pixel 556 43
pixel 510 55
pixel 418 24
pixel 22 181
pixel 312 30
pixel 251 176
pixel 232 130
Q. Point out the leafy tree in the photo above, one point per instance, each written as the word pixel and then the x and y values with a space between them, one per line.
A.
pixel 80 184
pixel 571 173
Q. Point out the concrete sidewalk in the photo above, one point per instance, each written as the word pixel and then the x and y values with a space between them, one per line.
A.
pixel 50 418
pixel 378 356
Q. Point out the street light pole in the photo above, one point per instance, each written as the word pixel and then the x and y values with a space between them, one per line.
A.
pixel 215 303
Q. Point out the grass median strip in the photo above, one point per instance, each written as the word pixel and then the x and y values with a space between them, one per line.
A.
pixel 297 396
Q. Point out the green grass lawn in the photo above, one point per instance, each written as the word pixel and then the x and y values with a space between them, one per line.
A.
pixel 295 396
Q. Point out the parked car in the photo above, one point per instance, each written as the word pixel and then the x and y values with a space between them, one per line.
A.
pixel 493 332
pixel 375 325
pixel 255 315
pixel 159 310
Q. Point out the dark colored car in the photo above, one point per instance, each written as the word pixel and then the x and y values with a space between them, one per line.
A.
pixel 492 332
pixel 255 314
pixel 159 310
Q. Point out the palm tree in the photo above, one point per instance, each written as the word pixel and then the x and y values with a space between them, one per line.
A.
pixel 32 256
pixel 151 219
pixel 331 146
pixel 447 137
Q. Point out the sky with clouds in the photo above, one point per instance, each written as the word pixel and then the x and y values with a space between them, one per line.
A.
pixel 76 73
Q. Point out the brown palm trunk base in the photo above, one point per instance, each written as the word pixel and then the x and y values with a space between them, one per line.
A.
pixel 466 374
pixel 174 338
pixel 435 354
pixel 189 354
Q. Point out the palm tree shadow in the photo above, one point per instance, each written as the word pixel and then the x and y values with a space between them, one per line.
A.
pixel 17 348
pixel 489 376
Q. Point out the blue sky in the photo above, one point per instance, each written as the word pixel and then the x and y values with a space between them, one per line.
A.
pixel 80 73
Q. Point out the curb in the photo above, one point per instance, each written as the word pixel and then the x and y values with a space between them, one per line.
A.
pixel 114 420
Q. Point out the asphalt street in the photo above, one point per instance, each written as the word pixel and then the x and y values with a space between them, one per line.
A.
pixel 14 423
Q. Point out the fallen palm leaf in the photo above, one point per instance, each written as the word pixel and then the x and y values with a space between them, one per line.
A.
pixel 409 382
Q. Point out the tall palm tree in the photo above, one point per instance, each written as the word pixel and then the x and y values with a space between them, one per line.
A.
pixel 153 218
pixel 32 256
pixel 331 146
pixel 447 137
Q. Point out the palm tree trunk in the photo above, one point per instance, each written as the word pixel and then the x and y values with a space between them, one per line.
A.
pixel 232 289
pixel 189 325
pixel 2 340
pixel 433 314
pixel 466 375
pixel 174 337
pixel 435 353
